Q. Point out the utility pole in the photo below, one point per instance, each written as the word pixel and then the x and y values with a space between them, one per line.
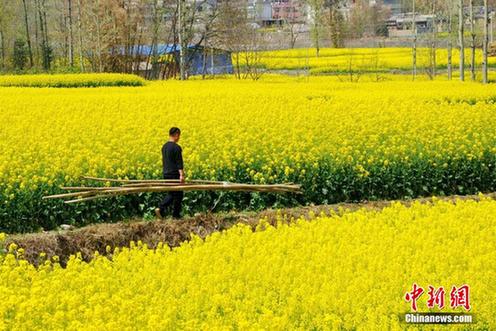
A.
pixel 461 31
pixel 485 44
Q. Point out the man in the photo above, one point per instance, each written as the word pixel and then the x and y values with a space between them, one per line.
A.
pixel 172 160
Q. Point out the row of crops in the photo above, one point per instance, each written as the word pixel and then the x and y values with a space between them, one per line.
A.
pixel 332 60
pixel 71 80
pixel 338 272
pixel 341 141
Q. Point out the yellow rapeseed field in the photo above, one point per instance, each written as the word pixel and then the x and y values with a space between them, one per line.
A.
pixel 71 80
pixel 341 141
pixel 358 59
pixel 333 273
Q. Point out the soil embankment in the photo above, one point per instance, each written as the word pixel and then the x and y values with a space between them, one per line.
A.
pixel 91 239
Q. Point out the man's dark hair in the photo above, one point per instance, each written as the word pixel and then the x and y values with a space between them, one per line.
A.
pixel 174 131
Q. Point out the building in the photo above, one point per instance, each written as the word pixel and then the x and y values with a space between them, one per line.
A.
pixel 200 60
pixel 288 10
pixel 400 25
pixel 276 12
pixel 260 12
pixel 393 5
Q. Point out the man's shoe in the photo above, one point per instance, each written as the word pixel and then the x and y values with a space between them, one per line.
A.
pixel 158 213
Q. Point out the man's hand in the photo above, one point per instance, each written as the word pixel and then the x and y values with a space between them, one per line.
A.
pixel 181 176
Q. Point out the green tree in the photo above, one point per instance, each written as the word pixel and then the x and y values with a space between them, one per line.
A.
pixel 20 55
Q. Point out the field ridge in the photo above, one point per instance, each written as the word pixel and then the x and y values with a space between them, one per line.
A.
pixel 97 238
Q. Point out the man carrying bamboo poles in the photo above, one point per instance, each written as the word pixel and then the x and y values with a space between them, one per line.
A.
pixel 172 160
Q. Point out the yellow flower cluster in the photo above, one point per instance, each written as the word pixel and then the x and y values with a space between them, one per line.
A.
pixel 347 271
pixel 71 80
pixel 363 59
pixel 341 141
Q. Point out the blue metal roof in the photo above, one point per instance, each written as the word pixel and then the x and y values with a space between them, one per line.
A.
pixel 162 49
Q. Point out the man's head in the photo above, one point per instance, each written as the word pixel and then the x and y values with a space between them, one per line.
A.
pixel 174 134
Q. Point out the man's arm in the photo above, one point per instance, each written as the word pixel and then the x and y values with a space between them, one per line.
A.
pixel 180 165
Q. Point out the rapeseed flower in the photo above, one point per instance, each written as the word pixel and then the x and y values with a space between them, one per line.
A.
pixel 340 141
pixel 349 270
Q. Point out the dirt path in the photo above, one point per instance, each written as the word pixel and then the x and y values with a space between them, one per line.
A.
pixel 93 238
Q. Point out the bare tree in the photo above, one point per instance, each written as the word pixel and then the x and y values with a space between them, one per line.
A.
pixel 450 40
pixel 252 55
pixel 80 36
pixel 97 23
pixel 187 16
pixel 232 28
pixel 432 71
pixel 461 39
pixel 414 47
pixel 292 24
pixel 316 10
pixel 46 50
pixel 152 59
pixel 71 36
pixel 472 40
pixel 207 33
pixel 182 36
pixel 4 26
pixel 335 22
pixel 485 44
pixel 28 38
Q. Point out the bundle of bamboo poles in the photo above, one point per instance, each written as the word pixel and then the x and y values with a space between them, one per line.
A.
pixel 126 187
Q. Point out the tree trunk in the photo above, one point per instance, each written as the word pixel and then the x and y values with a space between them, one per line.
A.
pixel 205 58
pixel 45 48
pixel 485 44
pixel 317 41
pixel 98 37
pixel 80 37
pixel 154 59
pixel 434 43
pixel 182 41
pixel 2 50
pixel 238 66
pixel 331 26
pixel 414 48
pixel 28 38
pixel 45 22
pixel 136 58
pixel 71 36
pixel 461 30
pixel 472 41
pixel 450 43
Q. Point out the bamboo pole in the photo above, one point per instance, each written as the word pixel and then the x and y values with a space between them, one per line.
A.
pixel 68 195
pixel 200 187
pixel 95 197
pixel 91 193
pixel 112 180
